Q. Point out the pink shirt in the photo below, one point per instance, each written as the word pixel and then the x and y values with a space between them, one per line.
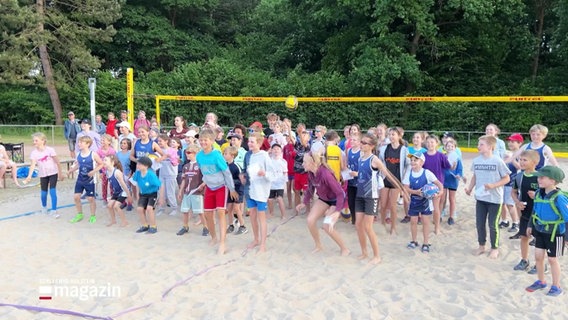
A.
pixel 46 166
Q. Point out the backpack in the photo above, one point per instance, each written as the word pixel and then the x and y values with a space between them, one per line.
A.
pixel 552 202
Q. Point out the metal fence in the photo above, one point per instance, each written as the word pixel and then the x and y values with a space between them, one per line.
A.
pixel 22 133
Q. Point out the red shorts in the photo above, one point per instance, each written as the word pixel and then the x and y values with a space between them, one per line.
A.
pixel 301 181
pixel 215 199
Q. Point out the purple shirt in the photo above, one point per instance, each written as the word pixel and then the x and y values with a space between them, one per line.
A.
pixel 437 163
pixel 328 188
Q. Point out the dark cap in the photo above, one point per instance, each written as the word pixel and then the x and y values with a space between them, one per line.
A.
pixel 448 134
pixel 86 121
pixel 235 135
pixel 552 172
pixel 145 161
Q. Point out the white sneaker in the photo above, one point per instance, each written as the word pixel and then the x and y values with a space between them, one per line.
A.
pixel 236 223
pixel 44 210
pixel 159 211
pixel 54 214
pixel 173 212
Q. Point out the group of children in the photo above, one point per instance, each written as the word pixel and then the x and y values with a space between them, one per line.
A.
pixel 149 171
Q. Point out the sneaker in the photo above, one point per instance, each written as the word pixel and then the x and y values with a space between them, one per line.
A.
pixel 77 218
pixel 523 265
pixel 44 210
pixel 230 229
pixel 412 245
pixel 152 230
pixel 451 221
pixel 405 220
pixel 159 211
pixel 532 243
pixel 93 219
pixel 533 270
pixel 142 229
pixel 205 232
pixel 236 223
pixel 515 237
pixel 173 212
pixel 425 248
pixel 537 285
pixel 54 214
pixel 514 227
pixel 129 207
pixel 554 291
pixel 123 205
pixel 242 230
pixel 182 231
pixel 400 201
pixel 504 224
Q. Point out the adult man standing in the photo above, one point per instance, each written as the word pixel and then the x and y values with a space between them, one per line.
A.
pixel 71 130
pixel 86 131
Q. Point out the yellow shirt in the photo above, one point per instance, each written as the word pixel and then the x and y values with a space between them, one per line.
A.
pixel 334 160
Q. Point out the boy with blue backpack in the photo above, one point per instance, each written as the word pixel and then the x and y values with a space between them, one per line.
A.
pixel 547 225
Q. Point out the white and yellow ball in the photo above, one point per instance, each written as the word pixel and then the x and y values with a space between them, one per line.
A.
pixel 291 102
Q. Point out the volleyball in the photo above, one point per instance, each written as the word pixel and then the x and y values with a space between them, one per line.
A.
pixel 430 190
pixel 291 102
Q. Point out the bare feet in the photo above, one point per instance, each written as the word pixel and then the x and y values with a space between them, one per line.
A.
pixel 363 256
pixel 479 251
pixel 393 231
pixel 252 244
pixel 261 249
pixel 317 249
pixel 213 242
pixel 221 250
pixel 375 260
pixel 437 230
pixel 345 252
pixel 111 223
pixel 124 224
pixel 494 254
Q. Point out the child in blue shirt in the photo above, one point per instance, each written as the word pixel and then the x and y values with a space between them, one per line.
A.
pixel 148 185
pixel 547 225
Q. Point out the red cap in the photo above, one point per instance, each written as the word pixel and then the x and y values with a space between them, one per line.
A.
pixel 257 124
pixel 516 137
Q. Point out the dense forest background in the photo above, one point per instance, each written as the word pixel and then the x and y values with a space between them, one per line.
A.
pixel 48 49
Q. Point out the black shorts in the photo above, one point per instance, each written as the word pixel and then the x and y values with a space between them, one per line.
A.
pixel 239 200
pixel 277 194
pixel 118 197
pixel 148 200
pixel 523 224
pixel 369 206
pixel 554 248
pixel 329 202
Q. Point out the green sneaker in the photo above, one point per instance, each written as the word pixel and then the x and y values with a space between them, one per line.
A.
pixel 77 218
pixel 93 219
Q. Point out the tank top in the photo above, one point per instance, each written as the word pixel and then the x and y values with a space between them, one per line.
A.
pixel 143 149
pixel 353 165
pixel 86 165
pixel 540 151
pixel 418 204
pixel 333 154
pixel 115 185
pixel 368 182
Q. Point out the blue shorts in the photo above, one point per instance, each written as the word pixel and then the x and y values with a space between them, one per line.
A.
pixel 259 205
pixel 89 188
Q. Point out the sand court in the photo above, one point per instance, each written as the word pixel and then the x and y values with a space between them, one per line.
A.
pixel 165 276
